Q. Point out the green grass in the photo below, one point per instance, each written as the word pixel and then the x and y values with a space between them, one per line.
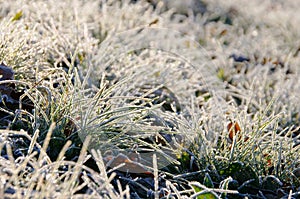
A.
pixel 112 99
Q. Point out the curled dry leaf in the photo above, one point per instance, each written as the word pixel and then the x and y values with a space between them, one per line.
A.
pixel 10 96
pixel 129 166
pixel 233 129
pixel 160 95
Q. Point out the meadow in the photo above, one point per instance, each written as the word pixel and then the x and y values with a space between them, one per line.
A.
pixel 149 99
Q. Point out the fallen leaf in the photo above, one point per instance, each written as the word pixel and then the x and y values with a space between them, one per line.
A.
pixel 129 166
pixel 233 129
pixel 10 96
